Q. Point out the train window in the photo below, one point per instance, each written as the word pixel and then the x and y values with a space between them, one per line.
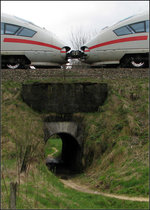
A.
pixel 122 31
pixel 2 28
pixel 147 26
pixel 26 32
pixel 11 29
pixel 138 27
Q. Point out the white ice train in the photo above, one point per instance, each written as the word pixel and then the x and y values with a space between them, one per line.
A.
pixel 126 43
pixel 24 43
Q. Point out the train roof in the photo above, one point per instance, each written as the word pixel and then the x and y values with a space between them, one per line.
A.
pixel 128 20
pixel 22 22
pixel 16 20
pixel 131 19
pixel 25 23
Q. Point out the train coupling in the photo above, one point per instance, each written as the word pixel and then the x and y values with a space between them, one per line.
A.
pixel 75 54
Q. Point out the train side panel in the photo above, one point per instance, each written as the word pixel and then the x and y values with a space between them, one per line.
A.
pixel 114 52
pixel 42 47
pixel 109 48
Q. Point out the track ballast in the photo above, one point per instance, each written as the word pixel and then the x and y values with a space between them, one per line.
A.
pixel 99 73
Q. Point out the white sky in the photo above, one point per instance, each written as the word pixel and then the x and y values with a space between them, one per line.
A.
pixel 62 17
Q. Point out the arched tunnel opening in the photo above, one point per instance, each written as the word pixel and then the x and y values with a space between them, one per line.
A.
pixel 63 156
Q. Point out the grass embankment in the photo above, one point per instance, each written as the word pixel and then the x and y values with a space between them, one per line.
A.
pixel 117 140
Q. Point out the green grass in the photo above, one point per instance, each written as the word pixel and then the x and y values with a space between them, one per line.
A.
pixel 116 146
pixel 53 194
pixel 51 144
pixel 118 137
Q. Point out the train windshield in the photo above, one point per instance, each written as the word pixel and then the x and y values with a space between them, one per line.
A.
pixel 147 26
pixel 122 31
pixel 2 28
pixel 26 32
pixel 11 29
pixel 138 27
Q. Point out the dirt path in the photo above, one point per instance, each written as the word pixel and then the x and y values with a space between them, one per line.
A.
pixel 52 154
pixel 85 189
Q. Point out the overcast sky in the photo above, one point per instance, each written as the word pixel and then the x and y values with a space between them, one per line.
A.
pixel 62 17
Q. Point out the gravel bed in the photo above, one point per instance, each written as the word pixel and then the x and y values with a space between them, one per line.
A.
pixel 103 73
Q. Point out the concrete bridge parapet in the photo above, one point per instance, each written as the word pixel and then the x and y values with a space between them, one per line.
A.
pixel 64 98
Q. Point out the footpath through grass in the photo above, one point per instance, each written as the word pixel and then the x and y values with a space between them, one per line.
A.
pixel 41 189
pixel 117 138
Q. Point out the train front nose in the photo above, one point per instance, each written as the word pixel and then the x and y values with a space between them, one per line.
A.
pixel 64 51
pixel 86 51
pixel 76 54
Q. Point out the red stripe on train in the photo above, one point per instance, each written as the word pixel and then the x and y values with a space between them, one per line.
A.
pixel 129 39
pixel 25 41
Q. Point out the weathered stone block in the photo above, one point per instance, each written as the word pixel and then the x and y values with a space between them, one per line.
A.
pixel 64 97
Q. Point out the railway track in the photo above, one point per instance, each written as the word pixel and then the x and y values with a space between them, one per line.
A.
pixel 100 73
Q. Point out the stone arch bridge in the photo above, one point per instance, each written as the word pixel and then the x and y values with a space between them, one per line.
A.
pixel 60 101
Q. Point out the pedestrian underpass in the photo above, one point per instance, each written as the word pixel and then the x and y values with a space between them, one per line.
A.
pixel 68 161
pixel 71 134
pixel 59 102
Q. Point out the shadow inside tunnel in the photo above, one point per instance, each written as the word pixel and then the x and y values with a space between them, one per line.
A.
pixel 67 162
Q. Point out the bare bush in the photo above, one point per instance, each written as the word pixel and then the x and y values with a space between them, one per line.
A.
pixel 79 37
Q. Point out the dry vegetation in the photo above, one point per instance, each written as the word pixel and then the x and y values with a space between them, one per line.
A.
pixel 116 147
pixel 118 141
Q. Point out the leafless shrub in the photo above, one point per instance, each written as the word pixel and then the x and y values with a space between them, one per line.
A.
pixel 78 38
